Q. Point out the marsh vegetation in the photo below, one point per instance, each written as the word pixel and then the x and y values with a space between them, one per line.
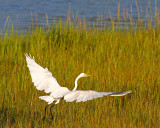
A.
pixel 118 60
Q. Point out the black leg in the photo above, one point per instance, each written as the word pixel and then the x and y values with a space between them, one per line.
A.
pixel 45 113
pixel 51 114
pixel 51 111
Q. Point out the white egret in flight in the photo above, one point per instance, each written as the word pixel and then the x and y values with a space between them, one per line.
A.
pixel 43 80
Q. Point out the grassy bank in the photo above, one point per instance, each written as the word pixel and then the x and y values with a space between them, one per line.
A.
pixel 118 61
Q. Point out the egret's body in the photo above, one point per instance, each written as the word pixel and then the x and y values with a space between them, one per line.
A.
pixel 43 80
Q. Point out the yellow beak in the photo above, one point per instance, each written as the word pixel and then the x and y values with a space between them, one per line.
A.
pixel 88 75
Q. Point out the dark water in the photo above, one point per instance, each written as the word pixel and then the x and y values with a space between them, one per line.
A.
pixel 18 12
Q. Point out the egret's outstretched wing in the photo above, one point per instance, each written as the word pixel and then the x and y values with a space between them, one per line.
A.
pixel 42 78
pixel 89 95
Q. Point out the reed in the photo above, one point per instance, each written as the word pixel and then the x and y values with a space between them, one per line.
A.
pixel 118 60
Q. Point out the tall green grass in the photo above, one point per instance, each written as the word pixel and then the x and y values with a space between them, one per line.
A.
pixel 118 60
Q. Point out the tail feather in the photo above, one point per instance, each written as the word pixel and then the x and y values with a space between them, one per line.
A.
pixel 48 99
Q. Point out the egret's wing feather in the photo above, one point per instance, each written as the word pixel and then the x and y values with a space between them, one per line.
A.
pixel 83 96
pixel 42 78
pixel 118 93
pixel 59 93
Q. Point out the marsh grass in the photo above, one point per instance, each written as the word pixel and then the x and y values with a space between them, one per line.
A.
pixel 118 60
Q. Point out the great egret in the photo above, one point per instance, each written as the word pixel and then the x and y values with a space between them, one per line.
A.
pixel 43 80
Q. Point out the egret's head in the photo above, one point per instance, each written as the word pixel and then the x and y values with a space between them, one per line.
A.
pixel 81 75
pixel 84 75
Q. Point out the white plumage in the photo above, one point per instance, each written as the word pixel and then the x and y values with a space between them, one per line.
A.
pixel 82 96
pixel 43 80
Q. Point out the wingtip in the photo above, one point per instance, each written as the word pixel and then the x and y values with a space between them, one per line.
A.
pixel 28 56
pixel 129 91
pixel 120 93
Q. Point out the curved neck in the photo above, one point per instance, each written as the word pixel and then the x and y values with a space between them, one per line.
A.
pixel 75 87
